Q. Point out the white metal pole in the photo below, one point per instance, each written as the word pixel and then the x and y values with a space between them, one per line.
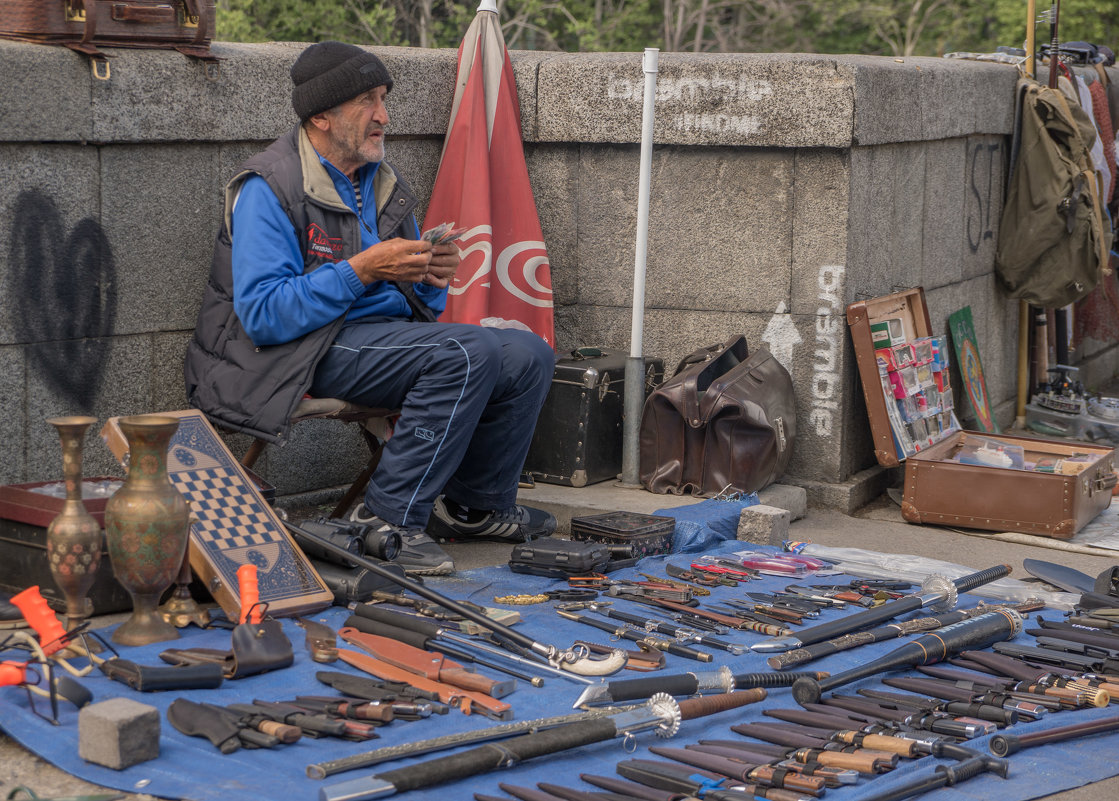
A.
pixel 635 364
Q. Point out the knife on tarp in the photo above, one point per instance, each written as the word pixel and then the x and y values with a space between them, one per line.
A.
pixel 430 664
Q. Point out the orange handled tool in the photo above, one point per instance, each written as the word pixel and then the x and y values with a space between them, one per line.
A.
pixel 52 637
pixel 13 674
pixel 250 594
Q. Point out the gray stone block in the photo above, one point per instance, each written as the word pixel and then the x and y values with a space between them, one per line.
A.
pixel 821 187
pixel 553 170
pixel 13 424
pixel 761 100
pixel 118 733
pixel 792 499
pixel 844 496
pixel 160 260
pixel 943 228
pixel 54 280
pixel 162 96
pixel 984 177
pixel 763 525
pixel 33 73
pixel 105 378
pixel 689 189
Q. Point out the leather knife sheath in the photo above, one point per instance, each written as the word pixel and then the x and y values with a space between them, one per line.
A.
pixel 154 678
pixel 466 700
pixel 256 648
pixel 429 664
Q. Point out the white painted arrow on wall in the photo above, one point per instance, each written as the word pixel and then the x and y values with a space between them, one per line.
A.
pixel 781 336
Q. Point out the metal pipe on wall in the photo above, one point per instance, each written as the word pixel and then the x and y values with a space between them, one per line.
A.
pixel 635 364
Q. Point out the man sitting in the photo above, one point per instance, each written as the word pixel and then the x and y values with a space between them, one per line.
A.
pixel 322 284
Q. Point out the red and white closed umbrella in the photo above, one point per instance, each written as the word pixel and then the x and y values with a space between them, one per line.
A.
pixel 504 279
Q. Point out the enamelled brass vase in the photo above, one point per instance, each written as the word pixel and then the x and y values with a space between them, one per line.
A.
pixel 147 526
pixel 74 536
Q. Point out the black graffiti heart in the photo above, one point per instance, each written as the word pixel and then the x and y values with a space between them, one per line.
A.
pixel 64 291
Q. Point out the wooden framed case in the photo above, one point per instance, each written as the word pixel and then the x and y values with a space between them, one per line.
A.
pixel 231 523
pixel 964 478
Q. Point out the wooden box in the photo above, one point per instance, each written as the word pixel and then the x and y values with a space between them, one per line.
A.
pixel 231 523
pixel 963 478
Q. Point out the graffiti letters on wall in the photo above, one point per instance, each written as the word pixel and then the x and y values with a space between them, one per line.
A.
pixel 63 295
pixel 825 356
pixel 983 186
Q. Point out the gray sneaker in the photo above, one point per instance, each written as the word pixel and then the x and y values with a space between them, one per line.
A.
pixel 418 552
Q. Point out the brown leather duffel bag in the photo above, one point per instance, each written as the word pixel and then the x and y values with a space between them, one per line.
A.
pixel 86 25
pixel 724 421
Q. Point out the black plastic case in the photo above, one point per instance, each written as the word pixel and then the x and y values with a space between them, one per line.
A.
pixel 556 558
pixel 644 534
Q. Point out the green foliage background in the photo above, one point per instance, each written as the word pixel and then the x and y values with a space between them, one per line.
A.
pixel 874 27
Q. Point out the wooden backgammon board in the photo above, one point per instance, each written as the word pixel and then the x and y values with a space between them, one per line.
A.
pixel 232 524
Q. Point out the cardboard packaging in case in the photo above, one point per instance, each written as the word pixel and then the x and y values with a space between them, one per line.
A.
pixel 232 524
pixel 953 477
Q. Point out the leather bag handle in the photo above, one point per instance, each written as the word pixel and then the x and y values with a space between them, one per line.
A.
pixel 129 12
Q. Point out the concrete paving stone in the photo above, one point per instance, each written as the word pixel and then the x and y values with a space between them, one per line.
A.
pixel 34 72
pixel 118 733
pixel 157 256
pixel 764 525
pixel 54 280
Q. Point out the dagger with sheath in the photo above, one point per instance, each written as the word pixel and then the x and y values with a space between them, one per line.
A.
pixel 929 721
pixel 686 684
pixel 805 747
pixel 385 622
pixel 765 775
pixel 641 637
pixel 425 663
pixel 938 592
pixel 979 632
pixel 957 709
pixel 661 713
pixel 824 763
pixel 708 785
pixel 678 634
pixel 576 662
pixel 890 631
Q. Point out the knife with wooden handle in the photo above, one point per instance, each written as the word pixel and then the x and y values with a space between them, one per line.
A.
pixel 430 664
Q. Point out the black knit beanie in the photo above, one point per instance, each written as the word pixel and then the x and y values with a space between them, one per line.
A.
pixel 330 73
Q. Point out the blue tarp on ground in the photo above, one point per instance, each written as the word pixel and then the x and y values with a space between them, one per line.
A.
pixel 190 768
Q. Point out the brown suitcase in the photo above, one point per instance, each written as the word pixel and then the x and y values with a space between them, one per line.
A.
pixel 87 25
pixel 941 489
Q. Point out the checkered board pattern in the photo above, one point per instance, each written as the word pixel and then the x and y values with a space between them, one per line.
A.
pixel 232 525
pixel 227 518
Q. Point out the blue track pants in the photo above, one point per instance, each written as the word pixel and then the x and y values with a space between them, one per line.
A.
pixel 469 398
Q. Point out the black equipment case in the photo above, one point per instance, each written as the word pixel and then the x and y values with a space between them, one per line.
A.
pixel 578 438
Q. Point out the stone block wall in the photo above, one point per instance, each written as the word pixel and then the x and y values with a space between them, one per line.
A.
pixel 783 188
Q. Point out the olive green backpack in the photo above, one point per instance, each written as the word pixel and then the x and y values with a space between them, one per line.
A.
pixel 1053 237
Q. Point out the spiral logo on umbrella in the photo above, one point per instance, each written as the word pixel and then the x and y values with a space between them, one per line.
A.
pixel 519 267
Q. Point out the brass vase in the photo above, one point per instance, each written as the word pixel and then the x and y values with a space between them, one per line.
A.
pixel 147 526
pixel 74 536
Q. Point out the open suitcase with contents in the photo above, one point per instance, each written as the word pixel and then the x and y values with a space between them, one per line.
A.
pixel 954 477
